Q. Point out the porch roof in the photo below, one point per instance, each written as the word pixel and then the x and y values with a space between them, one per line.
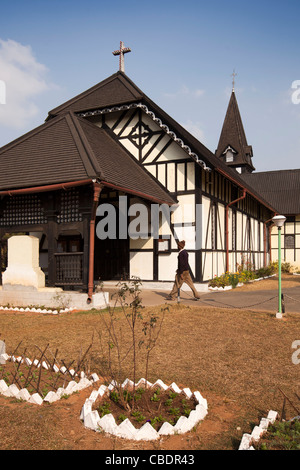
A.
pixel 69 148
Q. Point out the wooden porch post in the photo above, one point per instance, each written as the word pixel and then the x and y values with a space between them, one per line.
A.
pixel 97 188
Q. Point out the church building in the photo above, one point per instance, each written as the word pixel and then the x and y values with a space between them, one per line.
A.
pixel 113 146
pixel 281 188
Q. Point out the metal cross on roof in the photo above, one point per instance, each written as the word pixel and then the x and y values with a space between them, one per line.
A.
pixel 233 79
pixel 121 53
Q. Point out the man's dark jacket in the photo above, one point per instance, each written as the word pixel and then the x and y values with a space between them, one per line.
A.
pixel 183 262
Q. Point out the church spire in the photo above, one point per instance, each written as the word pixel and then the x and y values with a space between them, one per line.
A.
pixel 233 147
pixel 233 79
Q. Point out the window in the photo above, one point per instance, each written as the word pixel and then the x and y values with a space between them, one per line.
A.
pixel 289 241
pixel 69 244
pixel 229 155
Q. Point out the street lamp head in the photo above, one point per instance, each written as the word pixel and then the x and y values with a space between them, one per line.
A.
pixel 279 220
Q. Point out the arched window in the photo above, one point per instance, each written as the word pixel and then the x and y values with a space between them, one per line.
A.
pixel 229 154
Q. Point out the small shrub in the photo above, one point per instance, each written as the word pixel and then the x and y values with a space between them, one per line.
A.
pixel 121 417
pixel 104 409
pixel 231 279
pixel 282 435
pixel 247 274
pixel 156 396
pixel 156 420
pixel 285 267
pixel 138 416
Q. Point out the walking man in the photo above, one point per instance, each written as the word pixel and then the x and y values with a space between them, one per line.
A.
pixel 183 273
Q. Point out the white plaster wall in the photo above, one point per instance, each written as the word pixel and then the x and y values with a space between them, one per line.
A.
pixel 171 177
pixel 140 243
pixel 185 214
pixel 161 175
pixel 205 229
pixel 221 245
pixel 141 265
pixel 190 176
pixel 151 169
pixel 180 177
pixel 239 234
pixel 186 209
pixel 173 152
pixel 167 265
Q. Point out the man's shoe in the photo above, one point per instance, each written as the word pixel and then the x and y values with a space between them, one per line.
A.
pixel 170 297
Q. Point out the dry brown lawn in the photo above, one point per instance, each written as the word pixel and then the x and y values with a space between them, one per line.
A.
pixel 288 280
pixel 237 359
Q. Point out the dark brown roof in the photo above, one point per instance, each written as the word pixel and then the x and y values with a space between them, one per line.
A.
pixel 69 148
pixel 117 167
pixel 61 152
pixel 280 188
pixel 113 91
pixel 119 89
pixel 48 154
pixel 233 135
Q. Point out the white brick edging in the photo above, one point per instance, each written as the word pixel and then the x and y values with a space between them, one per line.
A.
pixel 258 431
pixel 38 310
pixel 22 394
pixel 92 420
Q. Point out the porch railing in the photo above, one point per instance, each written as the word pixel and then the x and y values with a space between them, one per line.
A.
pixel 69 269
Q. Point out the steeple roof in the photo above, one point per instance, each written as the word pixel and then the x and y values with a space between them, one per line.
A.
pixel 233 137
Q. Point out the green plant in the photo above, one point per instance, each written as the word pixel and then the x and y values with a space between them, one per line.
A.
pixel 282 435
pixel 116 351
pixel 245 273
pixel 65 396
pixel 156 395
pixel 174 411
pixel 139 393
pixel 156 420
pixel 228 279
pixel 104 409
pixel 285 267
pixel 121 417
pixel 186 409
pixel 138 416
pixel 266 271
pixel 114 396
pixel 169 402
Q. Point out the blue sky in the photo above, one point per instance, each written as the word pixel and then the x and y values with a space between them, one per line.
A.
pixel 183 55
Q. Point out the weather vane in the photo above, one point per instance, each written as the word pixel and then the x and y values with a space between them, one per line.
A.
pixel 121 53
pixel 233 75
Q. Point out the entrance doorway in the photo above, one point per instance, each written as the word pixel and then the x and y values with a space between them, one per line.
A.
pixel 111 259
pixel 111 254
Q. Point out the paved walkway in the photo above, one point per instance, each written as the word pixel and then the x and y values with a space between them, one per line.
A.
pixel 265 300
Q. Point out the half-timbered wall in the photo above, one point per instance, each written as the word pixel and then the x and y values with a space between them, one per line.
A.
pixel 290 242
pixel 193 187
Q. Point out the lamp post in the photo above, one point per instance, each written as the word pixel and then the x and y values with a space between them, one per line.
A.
pixel 279 221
